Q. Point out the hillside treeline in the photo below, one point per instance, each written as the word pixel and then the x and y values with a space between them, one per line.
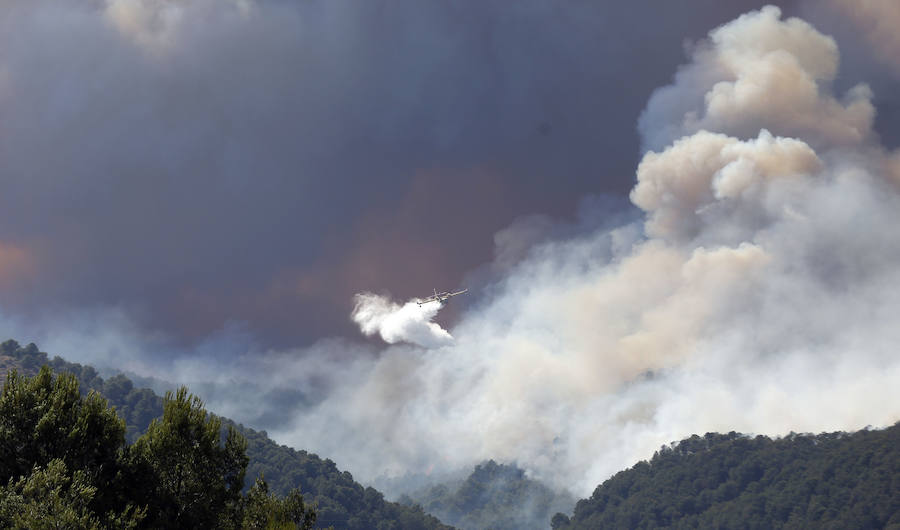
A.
pixel 834 480
pixel 339 501
pixel 64 463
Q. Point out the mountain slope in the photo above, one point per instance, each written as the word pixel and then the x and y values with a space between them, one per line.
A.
pixel 495 496
pixel 834 480
pixel 342 502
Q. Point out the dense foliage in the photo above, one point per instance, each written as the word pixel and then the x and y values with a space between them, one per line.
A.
pixel 137 406
pixel 52 497
pixel 494 496
pixel 341 502
pixel 832 480
pixel 65 464
pixel 199 478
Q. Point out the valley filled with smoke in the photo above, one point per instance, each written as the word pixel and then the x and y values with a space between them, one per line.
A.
pixel 751 286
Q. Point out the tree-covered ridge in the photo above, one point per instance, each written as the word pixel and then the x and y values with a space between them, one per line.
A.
pixel 834 480
pixel 341 502
pixel 137 406
pixel 496 496
pixel 64 463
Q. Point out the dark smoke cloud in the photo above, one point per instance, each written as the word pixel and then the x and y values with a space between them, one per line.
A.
pixel 195 163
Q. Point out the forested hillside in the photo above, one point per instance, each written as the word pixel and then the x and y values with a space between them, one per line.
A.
pixel 494 496
pixel 834 480
pixel 341 502
pixel 64 463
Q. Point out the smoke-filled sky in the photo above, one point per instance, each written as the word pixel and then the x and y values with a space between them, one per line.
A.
pixel 199 163
pixel 673 217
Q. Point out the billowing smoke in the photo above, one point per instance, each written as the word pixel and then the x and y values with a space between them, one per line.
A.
pixel 760 73
pixel 758 293
pixel 410 322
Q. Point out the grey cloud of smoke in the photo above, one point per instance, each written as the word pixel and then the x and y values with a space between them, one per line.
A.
pixel 758 294
pixel 410 322
pixel 190 161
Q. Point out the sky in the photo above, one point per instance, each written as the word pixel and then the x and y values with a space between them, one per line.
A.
pixel 671 218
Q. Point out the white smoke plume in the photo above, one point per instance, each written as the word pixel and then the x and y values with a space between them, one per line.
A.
pixel 410 322
pixel 758 296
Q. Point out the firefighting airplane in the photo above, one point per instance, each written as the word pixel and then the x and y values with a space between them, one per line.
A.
pixel 440 297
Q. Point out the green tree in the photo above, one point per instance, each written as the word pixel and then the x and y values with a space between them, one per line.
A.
pixel 45 418
pixel 263 510
pixel 51 498
pixel 194 481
